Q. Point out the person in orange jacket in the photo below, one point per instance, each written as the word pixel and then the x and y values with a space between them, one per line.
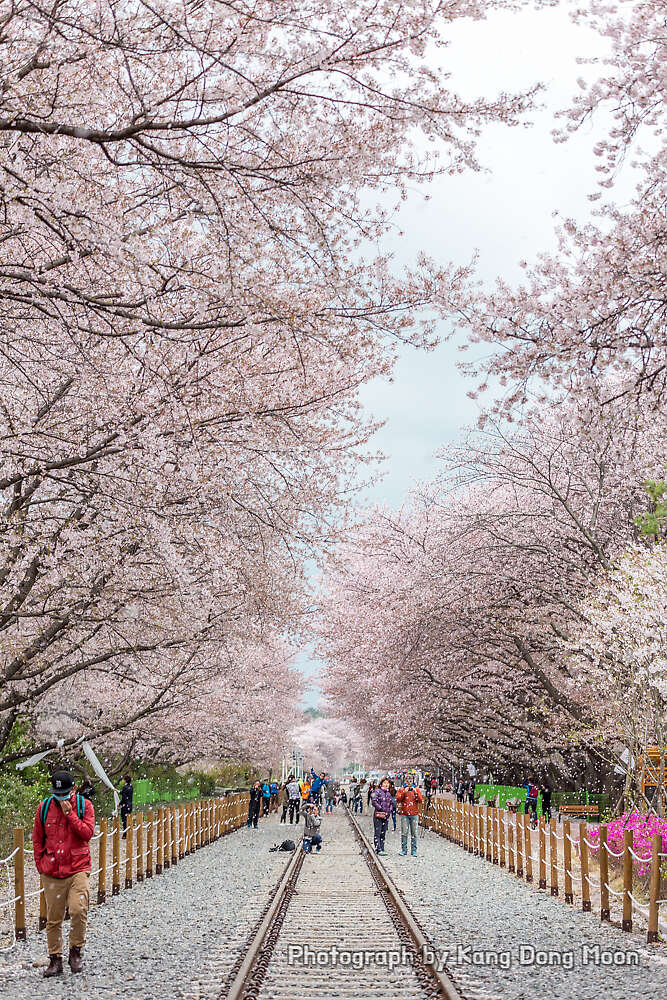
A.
pixel 408 799
pixel 64 824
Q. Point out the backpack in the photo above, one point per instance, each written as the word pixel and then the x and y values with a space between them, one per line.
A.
pixel 533 791
pixel 80 809
pixel 287 845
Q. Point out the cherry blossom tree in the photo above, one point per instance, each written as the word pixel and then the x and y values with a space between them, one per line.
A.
pixel 191 300
pixel 595 311
pixel 446 626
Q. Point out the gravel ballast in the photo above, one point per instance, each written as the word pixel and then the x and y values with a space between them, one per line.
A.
pixel 477 912
pixel 175 935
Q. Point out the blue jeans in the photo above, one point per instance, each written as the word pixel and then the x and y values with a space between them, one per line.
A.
pixel 409 822
pixel 359 804
pixel 329 805
pixel 310 842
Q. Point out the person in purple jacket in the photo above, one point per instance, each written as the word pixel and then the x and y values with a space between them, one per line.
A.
pixel 382 804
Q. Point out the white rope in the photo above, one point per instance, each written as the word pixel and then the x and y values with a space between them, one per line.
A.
pixel 10 902
pixel 4 861
pixel 598 885
pixel 637 856
pixel 609 888
pixel 613 853
pixel 37 892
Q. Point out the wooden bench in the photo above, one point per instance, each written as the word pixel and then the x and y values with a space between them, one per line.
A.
pixel 590 810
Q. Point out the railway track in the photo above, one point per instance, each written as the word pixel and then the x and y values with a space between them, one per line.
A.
pixel 337 928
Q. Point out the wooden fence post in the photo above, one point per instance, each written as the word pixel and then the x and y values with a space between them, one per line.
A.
pixel 129 850
pixel 175 856
pixel 656 848
pixel 502 816
pixel 583 855
pixel 553 852
pixel 489 834
pixel 166 841
pixel 149 845
pixel 543 854
pixel 42 906
pixel 140 847
pixel 627 881
pixel 115 870
pixel 528 847
pixel 519 846
pixel 19 883
pixel 510 844
pixel 160 840
pixel 102 864
pixel 605 911
pixel 567 862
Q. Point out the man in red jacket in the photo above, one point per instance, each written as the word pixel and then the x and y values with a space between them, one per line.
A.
pixel 409 798
pixel 64 824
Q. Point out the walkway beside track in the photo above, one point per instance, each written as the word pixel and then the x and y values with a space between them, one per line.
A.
pixel 476 912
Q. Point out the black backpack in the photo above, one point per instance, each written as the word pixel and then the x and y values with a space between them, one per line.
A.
pixel 80 809
pixel 287 845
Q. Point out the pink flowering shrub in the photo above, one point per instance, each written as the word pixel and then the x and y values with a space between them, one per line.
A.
pixel 643 828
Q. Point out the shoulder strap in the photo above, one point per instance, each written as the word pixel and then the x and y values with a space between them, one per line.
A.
pixel 44 808
pixel 80 806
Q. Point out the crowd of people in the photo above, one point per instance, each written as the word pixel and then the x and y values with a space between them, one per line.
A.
pixel 65 822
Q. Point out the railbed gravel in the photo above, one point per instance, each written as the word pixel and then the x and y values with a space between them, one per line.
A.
pixel 176 935
pixel 461 900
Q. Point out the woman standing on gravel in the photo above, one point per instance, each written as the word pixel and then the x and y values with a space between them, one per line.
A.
pixel 382 806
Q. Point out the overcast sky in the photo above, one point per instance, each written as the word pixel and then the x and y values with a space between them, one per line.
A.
pixel 506 215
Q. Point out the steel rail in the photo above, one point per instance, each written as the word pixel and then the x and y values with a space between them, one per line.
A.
pixel 445 985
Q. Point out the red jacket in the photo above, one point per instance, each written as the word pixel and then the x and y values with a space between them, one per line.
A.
pixel 408 800
pixel 61 845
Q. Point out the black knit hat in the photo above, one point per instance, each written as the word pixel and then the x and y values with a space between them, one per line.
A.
pixel 62 783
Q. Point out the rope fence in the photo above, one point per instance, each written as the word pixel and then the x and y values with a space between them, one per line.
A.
pixel 506 839
pixel 153 844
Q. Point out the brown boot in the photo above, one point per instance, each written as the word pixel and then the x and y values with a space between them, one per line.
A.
pixel 75 961
pixel 55 966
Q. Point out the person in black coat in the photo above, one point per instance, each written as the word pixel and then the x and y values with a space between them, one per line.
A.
pixel 255 804
pixel 126 794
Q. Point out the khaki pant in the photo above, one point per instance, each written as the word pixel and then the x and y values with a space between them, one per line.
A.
pixel 59 893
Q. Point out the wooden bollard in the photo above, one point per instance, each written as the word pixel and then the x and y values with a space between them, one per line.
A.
pixel 654 889
pixel 543 854
pixel 149 845
pixel 510 845
pixel 102 864
pixel 553 852
pixel 487 819
pixel 181 832
pixel 172 837
pixel 501 834
pixel 605 911
pixel 567 862
pixel 42 905
pixel 160 841
pixel 495 835
pixel 19 883
pixel 166 842
pixel 626 923
pixel 583 857
pixel 115 869
pixel 129 849
pixel 528 847
pixel 475 830
pixel 519 847
pixel 140 847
